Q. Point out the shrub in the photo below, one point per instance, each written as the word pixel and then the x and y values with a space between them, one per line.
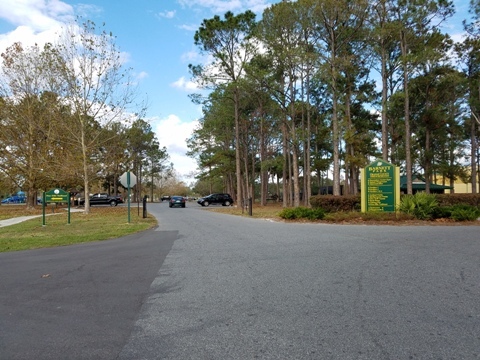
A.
pixel 407 204
pixel 316 214
pixel 442 212
pixel 463 212
pixel 302 213
pixel 331 203
pixel 455 199
pixel 288 214
pixel 421 205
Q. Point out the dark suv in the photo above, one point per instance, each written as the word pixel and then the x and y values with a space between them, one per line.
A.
pixel 224 199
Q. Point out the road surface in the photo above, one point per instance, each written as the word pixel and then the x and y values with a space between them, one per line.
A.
pixel 205 285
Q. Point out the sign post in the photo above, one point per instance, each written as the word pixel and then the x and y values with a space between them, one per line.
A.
pixel 128 180
pixel 380 187
pixel 56 196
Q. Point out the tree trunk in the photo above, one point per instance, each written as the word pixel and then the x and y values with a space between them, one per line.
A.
pixel 238 165
pixel 336 146
pixel 307 191
pixel 285 189
pixel 473 155
pixel 294 142
pixel 408 156
pixel 427 161
pixel 86 172
pixel 384 106
pixel 263 172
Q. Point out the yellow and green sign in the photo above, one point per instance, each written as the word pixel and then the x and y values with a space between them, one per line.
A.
pixel 56 196
pixel 380 187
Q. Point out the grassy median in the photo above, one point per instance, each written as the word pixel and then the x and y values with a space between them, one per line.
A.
pixel 101 224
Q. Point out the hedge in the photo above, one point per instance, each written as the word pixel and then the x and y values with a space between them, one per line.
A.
pixel 331 203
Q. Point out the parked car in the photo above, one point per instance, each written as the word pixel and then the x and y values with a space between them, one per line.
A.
pixel 15 199
pixel 103 199
pixel 165 197
pixel 223 199
pixel 119 199
pixel 176 201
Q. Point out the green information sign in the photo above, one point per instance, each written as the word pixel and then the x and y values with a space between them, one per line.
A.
pixel 56 196
pixel 380 187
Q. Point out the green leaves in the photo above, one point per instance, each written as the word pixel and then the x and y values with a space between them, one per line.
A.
pixel 421 205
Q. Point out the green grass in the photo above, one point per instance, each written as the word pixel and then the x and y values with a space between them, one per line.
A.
pixel 101 224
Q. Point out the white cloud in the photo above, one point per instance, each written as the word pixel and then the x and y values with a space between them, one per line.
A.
pixel 172 133
pixel 39 14
pixel 189 27
pixel 458 37
pixel 142 75
pixel 214 5
pixel 191 56
pixel 87 10
pixel 167 14
pixel 33 21
pixel 184 84
pixel 39 21
pixel 257 6
pixel 222 6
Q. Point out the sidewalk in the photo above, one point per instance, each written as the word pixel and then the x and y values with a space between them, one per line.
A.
pixel 19 219
pixel 16 220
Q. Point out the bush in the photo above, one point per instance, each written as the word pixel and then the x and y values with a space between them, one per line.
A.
pixel 302 213
pixel 421 205
pixel 331 203
pixel 463 212
pixel 455 199
pixel 288 214
pixel 316 214
pixel 407 204
pixel 442 212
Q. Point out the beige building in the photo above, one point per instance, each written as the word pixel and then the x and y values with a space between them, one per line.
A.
pixel 459 186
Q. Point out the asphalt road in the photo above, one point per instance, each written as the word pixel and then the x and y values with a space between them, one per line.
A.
pixel 205 285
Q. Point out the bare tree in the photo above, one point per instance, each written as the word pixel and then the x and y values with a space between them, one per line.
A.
pixel 98 88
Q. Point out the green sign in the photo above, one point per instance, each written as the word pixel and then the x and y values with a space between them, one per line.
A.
pixel 57 195
pixel 380 187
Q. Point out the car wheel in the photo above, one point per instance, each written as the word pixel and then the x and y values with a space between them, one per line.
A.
pixel 206 203
pixel 227 203
pixel 113 203
pixel 183 205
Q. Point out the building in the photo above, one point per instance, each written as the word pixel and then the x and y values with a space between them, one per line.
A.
pixel 418 184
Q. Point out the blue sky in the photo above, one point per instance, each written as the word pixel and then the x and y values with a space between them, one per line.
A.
pixel 157 39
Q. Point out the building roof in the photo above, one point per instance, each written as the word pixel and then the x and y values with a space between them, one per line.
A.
pixel 418 183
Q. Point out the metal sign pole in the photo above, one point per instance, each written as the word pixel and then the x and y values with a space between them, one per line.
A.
pixel 68 222
pixel 43 208
pixel 128 195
